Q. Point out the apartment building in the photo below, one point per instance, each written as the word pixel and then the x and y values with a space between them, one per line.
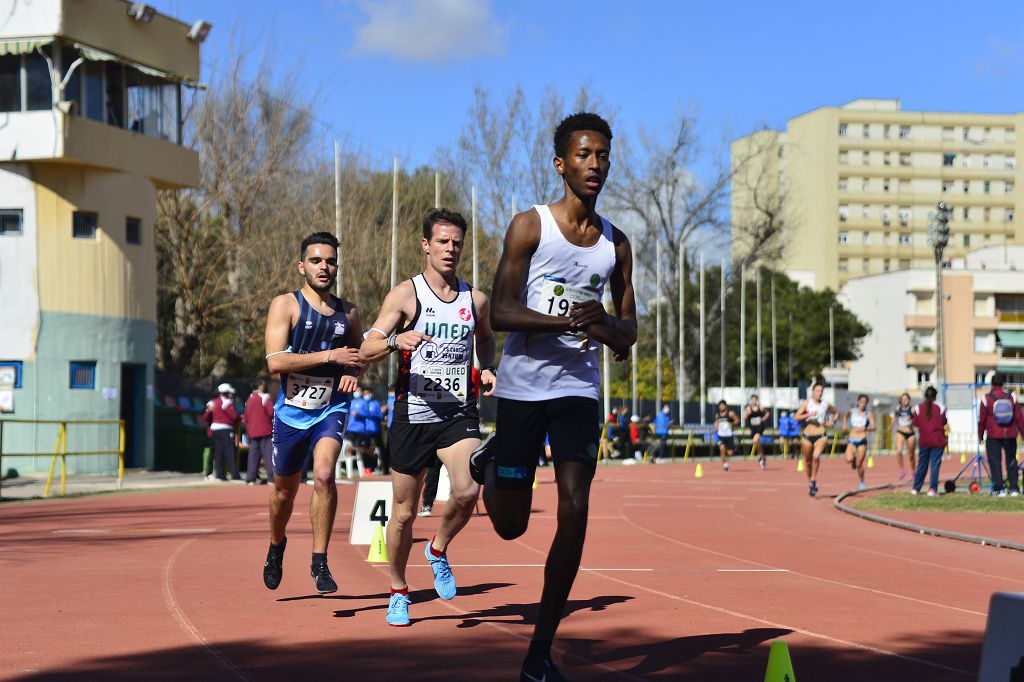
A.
pixel 858 182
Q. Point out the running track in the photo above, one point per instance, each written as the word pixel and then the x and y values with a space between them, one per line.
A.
pixel 684 578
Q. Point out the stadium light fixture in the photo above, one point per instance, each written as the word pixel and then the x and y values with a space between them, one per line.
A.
pixel 140 11
pixel 199 31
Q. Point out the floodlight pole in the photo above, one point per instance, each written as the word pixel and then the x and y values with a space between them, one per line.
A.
pixel 939 240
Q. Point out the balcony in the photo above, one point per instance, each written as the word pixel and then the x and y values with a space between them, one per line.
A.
pixel 919 321
pixel 925 359
pixel 985 359
pixel 1010 317
pixel 985 323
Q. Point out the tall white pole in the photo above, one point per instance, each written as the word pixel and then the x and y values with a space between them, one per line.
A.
pixel 337 208
pixel 757 354
pixel 394 255
pixel 657 324
pixel 476 261
pixel 721 332
pixel 437 189
pixel 703 355
pixel 681 364
pixel 743 330
pixel 606 379
pixel 775 361
pixel 634 353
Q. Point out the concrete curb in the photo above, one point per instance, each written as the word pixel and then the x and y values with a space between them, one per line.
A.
pixel 923 530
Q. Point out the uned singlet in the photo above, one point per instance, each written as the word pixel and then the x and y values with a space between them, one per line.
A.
pixel 541 366
pixel 434 381
pixel 308 396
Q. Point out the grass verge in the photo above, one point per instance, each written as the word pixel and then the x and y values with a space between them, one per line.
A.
pixel 959 501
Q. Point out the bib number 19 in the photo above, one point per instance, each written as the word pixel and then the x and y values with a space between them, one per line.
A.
pixel 562 303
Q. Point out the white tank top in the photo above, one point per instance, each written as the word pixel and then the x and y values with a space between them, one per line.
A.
pixel 724 425
pixel 817 411
pixel 435 381
pixel 543 366
pixel 858 419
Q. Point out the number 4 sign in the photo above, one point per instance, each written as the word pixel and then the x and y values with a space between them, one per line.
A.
pixel 372 507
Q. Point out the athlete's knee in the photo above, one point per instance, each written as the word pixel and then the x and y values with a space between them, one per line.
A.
pixel 575 506
pixel 323 479
pixel 284 494
pixel 403 514
pixel 465 498
pixel 510 528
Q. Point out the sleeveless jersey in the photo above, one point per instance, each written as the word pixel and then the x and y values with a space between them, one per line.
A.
pixel 756 419
pixel 858 419
pixel 817 411
pixel 723 425
pixel 308 396
pixel 905 418
pixel 542 366
pixel 435 381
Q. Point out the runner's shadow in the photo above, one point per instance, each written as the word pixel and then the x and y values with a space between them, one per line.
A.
pixel 527 613
pixel 417 596
pixel 655 657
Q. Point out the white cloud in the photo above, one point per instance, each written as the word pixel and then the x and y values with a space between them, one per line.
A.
pixel 429 30
pixel 1001 58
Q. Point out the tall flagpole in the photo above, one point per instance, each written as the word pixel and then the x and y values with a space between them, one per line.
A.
pixel 605 363
pixel 757 354
pixel 634 353
pixel 775 361
pixel 657 325
pixel 743 330
pixel 681 364
pixel 437 190
pixel 703 355
pixel 394 255
pixel 476 260
pixel 337 208
pixel 721 332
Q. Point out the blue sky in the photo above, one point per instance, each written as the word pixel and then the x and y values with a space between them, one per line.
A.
pixel 397 76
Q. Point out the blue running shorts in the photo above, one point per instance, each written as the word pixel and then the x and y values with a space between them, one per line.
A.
pixel 292 445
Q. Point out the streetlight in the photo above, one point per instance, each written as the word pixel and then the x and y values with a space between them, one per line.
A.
pixel 938 238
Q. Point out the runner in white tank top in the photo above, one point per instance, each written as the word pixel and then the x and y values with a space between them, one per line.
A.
pixel 857 423
pixel 818 415
pixel 434 320
pixel 556 263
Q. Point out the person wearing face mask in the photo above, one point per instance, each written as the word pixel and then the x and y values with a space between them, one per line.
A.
pixel 373 415
pixel 661 424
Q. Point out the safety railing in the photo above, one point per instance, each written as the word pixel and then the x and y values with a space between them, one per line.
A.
pixel 60 448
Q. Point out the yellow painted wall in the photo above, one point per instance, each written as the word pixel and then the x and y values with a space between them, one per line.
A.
pixel 958 332
pixel 101 276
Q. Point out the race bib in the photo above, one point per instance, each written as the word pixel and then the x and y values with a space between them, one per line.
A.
pixel 755 421
pixel 441 383
pixel 904 421
pixel 557 298
pixel 307 392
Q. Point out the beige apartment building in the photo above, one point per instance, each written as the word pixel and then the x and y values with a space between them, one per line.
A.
pixel 857 183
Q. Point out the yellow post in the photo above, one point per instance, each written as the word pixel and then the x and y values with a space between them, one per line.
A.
pixel 689 442
pixel 53 462
pixel 785 447
pixel 64 459
pixel 120 456
pixel 835 442
pixel 753 447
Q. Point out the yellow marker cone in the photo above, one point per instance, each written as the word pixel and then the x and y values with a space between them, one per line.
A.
pixel 871 461
pixel 378 547
pixel 963 458
pixel 780 668
pixel 534 482
pixel 699 471
pixel 800 464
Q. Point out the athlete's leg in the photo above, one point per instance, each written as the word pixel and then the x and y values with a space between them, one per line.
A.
pixel 406 491
pixel 282 499
pixel 758 446
pixel 851 451
pixel 819 448
pixel 806 448
pixel 912 451
pixel 898 446
pixel 325 493
pixel 721 452
pixel 519 443
pixel 464 491
pixel 861 454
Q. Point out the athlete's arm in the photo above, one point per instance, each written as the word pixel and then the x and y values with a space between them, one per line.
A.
pixel 508 314
pixel 871 422
pixel 398 306
pixel 349 380
pixel 801 413
pixel 845 416
pixel 484 341
pixel 733 418
pixel 618 332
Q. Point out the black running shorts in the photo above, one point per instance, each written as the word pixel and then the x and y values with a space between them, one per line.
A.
pixel 570 423
pixel 414 446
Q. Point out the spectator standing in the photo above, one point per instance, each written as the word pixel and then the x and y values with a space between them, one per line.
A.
pixel 635 437
pixel 999 420
pixel 222 418
pixel 259 427
pixel 356 428
pixel 930 419
pixel 661 424
pixel 373 416
pixel 623 433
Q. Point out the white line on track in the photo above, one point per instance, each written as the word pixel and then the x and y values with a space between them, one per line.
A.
pixel 188 530
pixel 631 570
pixel 752 570
pixel 714 498
pixel 81 531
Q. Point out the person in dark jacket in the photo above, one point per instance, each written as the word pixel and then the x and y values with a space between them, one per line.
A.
pixel 259 427
pixel 929 418
pixel 222 419
pixel 999 421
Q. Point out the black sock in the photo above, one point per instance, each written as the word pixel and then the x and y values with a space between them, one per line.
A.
pixel 280 547
pixel 319 558
pixel 539 649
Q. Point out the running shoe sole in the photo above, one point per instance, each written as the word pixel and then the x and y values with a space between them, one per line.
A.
pixel 480 458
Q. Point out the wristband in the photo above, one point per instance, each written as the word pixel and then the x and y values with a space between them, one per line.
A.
pixel 393 342
pixel 492 370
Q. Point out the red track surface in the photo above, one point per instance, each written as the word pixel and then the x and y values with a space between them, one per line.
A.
pixel 166 585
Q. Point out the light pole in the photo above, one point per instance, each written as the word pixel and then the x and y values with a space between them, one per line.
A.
pixel 938 237
pixel 831 339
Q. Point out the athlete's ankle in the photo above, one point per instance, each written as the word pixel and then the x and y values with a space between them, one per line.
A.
pixel 400 590
pixel 434 551
pixel 539 649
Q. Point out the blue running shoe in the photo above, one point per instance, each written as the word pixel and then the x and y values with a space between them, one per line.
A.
pixel 444 581
pixel 813 489
pixel 398 610
pixel 861 486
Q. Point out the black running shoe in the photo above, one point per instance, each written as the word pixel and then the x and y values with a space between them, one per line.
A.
pixel 481 457
pixel 324 580
pixel 272 568
pixel 543 670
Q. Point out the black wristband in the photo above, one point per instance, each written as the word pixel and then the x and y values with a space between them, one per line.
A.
pixel 492 370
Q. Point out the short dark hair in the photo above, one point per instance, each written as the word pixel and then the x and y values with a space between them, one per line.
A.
pixel 444 216
pixel 317 238
pixel 816 384
pixel 722 402
pixel 862 395
pixel 581 120
pixel 998 379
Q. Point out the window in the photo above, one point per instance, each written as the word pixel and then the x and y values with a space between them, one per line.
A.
pixel 966 213
pixel 947 186
pixel 843 236
pixel 923 377
pixel 38 93
pixel 904 240
pixel 844 158
pixel 904 215
pixel 988 238
pixel 886 265
pixel 864 264
pixel 1008 187
pixel 904 185
pixel 948 158
pixel 986 134
pixel 83 374
pixel 842 130
pixel 10 83
pixel 84 225
pixel 865 158
pixel 865 185
pixel 887 159
pixel 986 161
pixel 1010 162
pixel 133 230
pixel 986 187
pixel 11 221
pixel 887 238
pixel 967 133
pixel 967 186
pixel 904 132
pixel 842 184
pixel 1009 215
pixel 987 214
pixel 25 82
pixel 16 364
pixel 967 240
pixel 842 265
pixel 1011 134
pixel 885 184
pixel 843 213
pixel 867 130
pixel 866 238
pixel 885 215
pixel 947 133
pixel 885 130
pixel 904 263
pixel 865 211
pixel 904 159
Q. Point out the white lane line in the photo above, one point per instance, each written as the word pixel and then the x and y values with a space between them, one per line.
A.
pixel 752 570
pixel 632 570
pixel 713 498
pixel 188 530
pixel 81 531
pixel 802 575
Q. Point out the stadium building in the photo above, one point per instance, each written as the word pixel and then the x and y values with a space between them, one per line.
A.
pixel 90 130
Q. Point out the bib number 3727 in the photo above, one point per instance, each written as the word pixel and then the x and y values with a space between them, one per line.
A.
pixel 308 392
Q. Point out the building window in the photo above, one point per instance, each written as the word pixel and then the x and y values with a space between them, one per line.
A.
pixel 25 82
pixel 843 237
pixel 1010 162
pixel 864 264
pixel 842 265
pixel 10 83
pixel 887 238
pixel 885 184
pixel 842 130
pixel 948 158
pixel 866 238
pixel 904 132
pixel 967 186
pixel 1009 215
pixel 904 215
pixel 923 377
pixel 867 130
pixel 885 130
pixel 842 184
pixel 904 263
pixel 844 158
pixel 133 230
pixel 986 134
pixel 904 185
pixel 966 213
pixel 1011 134
pixel 17 365
pixel 11 221
pixel 865 157
pixel 865 211
pixel 986 161
pixel 967 240
pixel 967 133
pixel 904 159
pixel 904 240
pixel 986 187
pixel 885 215
pixel 1008 187
pixel 84 225
pixel 83 374
pixel 843 213
pixel 947 186
pixel 987 214
pixel 886 159
pixel 947 133
pixel 886 265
